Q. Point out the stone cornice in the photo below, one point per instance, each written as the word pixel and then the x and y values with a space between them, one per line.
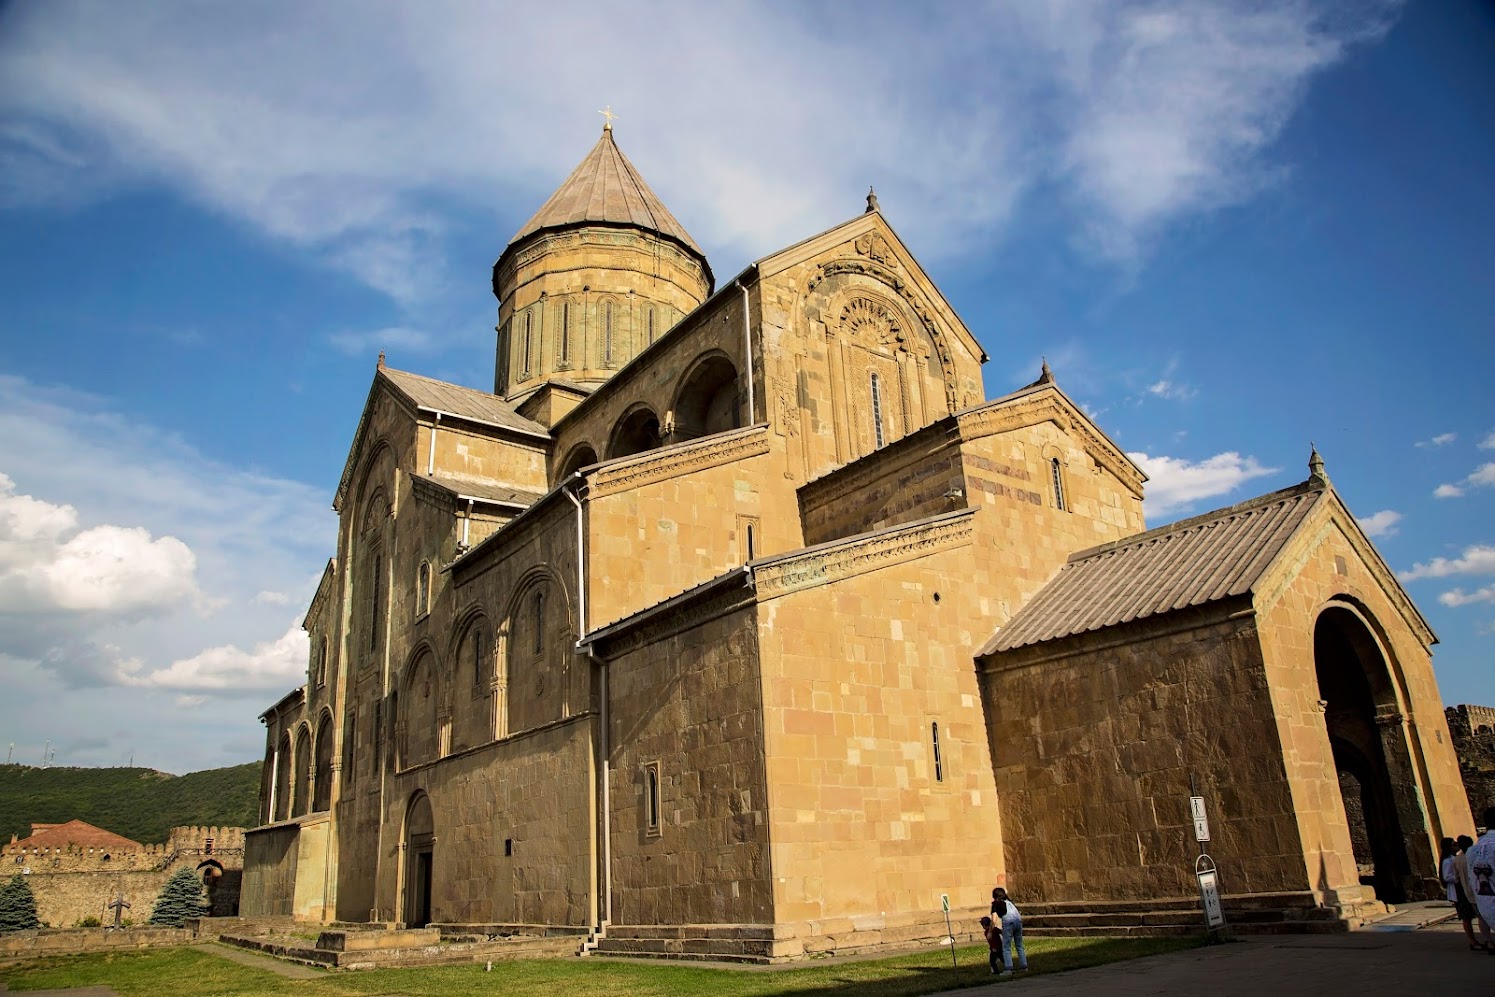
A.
pixel 683 458
pixel 324 587
pixel 1047 403
pixel 858 475
pixel 830 562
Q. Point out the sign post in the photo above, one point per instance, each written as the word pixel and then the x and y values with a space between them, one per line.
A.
pixel 949 931
pixel 1205 870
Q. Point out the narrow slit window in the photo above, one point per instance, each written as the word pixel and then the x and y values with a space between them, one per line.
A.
pixel 478 648
pixel 877 411
pixel 750 542
pixel 529 343
pixel 651 798
pixel 565 331
pixel 607 331
pixel 376 607
pixel 378 735
pixel 322 662
pixel 651 325
pixel 539 621
pixel 939 761
pixel 1058 484
pixel 423 589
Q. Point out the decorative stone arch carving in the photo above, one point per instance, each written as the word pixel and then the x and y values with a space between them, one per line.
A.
pixel 305 767
pixel 422 725
pixel 325 763
pixel 538 651
pixel 637 430
pixel 579 456
pixel 478 684
pixel 707 398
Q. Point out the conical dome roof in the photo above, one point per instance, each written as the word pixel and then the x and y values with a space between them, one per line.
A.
pixel 606 189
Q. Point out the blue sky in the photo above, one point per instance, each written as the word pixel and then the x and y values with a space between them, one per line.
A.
pixel 1233 229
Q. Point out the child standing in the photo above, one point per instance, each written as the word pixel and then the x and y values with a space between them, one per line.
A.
pixel 1011 937
pixel 993 933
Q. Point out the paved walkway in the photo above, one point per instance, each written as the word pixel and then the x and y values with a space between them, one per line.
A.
pixel 1435 960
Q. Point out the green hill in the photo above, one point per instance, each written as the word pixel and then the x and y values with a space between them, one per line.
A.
pixel 141 804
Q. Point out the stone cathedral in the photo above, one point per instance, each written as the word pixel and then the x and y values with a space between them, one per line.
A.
pixel 738 622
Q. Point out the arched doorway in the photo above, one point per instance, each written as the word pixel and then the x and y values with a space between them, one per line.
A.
pixel 420 842
pixel 1371 758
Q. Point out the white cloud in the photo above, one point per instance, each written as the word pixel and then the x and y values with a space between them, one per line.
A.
pixel 1171 390
pixel 382 340
pixel 1447 491
pixel 268 598
pixel 1175 483
pixel 276 664
pixel 1380 524
pixel 1483 476
pixel 105 569
pixel 1458 597
pixel 1476 560
pixel 1488 443
pixel 347 129
pixel 1441 440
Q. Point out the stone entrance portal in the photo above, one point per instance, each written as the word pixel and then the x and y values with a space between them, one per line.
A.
pixel 1371 758
pixel 420 841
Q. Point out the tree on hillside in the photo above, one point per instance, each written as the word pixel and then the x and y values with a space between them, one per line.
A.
pixel 182 897
pixel 17 905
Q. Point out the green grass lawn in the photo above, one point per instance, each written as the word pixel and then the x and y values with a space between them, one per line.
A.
pixel 193 972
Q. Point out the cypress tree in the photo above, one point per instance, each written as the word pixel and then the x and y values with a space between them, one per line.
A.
pixel 17 905
pixel 182 897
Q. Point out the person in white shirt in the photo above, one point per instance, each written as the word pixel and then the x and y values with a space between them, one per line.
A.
pixel 1451 871
pixel 1479 877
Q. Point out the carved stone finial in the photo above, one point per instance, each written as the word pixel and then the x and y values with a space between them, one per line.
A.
pixel 381 359
pixel 1316 466
pixel 871 200
pixel 1045 376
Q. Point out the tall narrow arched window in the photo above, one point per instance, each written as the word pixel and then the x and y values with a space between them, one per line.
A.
pixel 529 343
pixel 376 602
pixel 651 324
pixel 877 410
pixel 651 798
pixel 1058 484
pixel 607 332
pixel 540 621
pixel 322 662
pixel 479 648
pixel 423 589
pixel 565 332
pixel 939 761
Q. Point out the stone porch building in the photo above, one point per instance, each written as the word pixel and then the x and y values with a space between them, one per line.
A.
pixel 738 622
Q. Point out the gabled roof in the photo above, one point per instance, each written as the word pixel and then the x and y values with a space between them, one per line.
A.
pixel 606 188
pixel 1215 556
pixel 453 399
pixel 483 491
pixel 75 832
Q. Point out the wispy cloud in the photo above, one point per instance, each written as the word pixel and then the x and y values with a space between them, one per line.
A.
pixel 379 340
pixel 1476 560
pixel 1175 483
pixel 363 136
pixel 1441 440
pixel 1481 477
pixel 1458 597
pixel 1380 524
pixel 1488 443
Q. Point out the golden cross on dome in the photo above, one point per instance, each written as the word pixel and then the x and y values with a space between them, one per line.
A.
pixel 607 112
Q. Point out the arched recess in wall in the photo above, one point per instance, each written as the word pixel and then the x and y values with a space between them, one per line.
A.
pixel 421 712
pixel 304 771
pixel 582 455
pixel 473 682
pixel 370 566
pixel 538 653
pixel 636 432
pixel 420 845
pixel 322 786
pixel 708 399
pixel 283 768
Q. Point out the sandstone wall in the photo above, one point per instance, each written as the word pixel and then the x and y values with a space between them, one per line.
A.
pixel 686 705
pixel 1094 739
pixel 866 651
pixel 269 885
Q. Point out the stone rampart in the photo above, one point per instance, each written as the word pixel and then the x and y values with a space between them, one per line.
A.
pixel 1473 731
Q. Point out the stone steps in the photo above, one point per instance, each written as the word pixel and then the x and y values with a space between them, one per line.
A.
pixel 437 952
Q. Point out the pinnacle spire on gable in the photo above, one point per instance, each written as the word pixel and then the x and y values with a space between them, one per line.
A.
pixel 1316 470
pixel 606 189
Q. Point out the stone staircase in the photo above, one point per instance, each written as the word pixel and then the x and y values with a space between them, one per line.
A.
pixel 1251 913
pixel 377 947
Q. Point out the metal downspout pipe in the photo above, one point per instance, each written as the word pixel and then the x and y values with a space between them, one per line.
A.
pixel 605 908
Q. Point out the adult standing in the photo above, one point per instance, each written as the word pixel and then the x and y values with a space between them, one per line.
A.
pixel 1479 881
pixel 1455 873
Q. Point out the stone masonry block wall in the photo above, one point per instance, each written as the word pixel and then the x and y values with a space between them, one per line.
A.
pixel 869 821
pixel 687 706
pixel 531 792
pixel 269 886
pixel 1473 732
pixel 1094 740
